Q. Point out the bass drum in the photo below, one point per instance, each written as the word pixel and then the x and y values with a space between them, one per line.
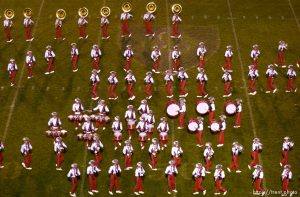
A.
pixel 214 126
pixel 172 109
pixel 193 124
pixel 230 108
pixel 202 107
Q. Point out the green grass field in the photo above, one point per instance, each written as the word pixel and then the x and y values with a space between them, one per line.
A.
pixel 25 108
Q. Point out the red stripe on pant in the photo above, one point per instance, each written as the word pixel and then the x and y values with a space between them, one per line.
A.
pixel 280 59
pixel 128 161
pixel 201 62
pixel 27 160
pixel 219 187
pixel 171 182
pixel 211 116
pixel 12 76
pixel 198 185
pixel 257 183
pixel 252 83
pixel 127 65
pixel 50 65
pixel 227 88
pixel 182 87
pixel 290 85
pixel 177 161
pixel 169 88
pixel 104 30
pixel 92 182
pixel 1 158
pixel 156 65
pixel 139 184
pixel 175 29
pixel 285 158
pixel 176 64
pixel 28 33
pixel 148 26
pixel 8 33
pixel 98 159
pixel 227 64
pixel 94 90
pixel 130 89
pixel 235 162
pixel 199 137
pixel 59 159
pixel 114 182
pixel 201 89
pixel 96 63
pixel 237 119
pixel 270 84
pixel 58 32
pixel 208 164
pixel 254 156
pixel 82 32
pixel 112 88
pixel 148 90
pixel 285 185
pixel 153 161
pixel 74 62
pixel 125 27
pixel 74 185
pixel 181 119
pixel 221 136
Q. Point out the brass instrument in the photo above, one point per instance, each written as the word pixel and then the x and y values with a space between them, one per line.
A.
pixel 83 12
pixel 9 14
pixel 240 148
pixel 61 14
pixel 105 11
pixel 151 7
pixel 27 12
pixel 176 8
pixel 126 7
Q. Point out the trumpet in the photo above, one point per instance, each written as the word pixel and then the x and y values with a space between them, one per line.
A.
pixel 176 8
pixel 9 14
pixel 151 7
pixel 83 12
pixel 61 14
pixel 126 7
pixel 27 12
pixel 105 11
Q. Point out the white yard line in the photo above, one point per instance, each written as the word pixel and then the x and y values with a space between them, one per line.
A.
pixel 244 81
pixel 293 11
pixel 13 104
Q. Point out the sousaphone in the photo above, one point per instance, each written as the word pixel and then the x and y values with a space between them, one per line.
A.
pixel 151 7
pixel 27 12
pixel 176 8
pixel 126 7
pixel 105 11
pixel 83 12
pixel 9 14
pixel 61 14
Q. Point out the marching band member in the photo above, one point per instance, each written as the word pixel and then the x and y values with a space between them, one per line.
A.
pixel 50 57
pixel 198 175
pixel 130 80
pixel 117 139
pixel 222 124
pixel 271 74
pixel 169 81
pixel 202 80
pixel 253 75
pixel 150 124
pixel 26 150
pixel 73 176
pixel 238 103
pixel 201 52
pixel 236 149
pixel 153 150
pixel 182 76
pixel 130 118
pixel 254 55
pixel 286 177
pixel 171 172
pixel 219 177
pixel 227 83
pixel 28 23
pixel 96 55
pixel 211 109
pixel 228 56
pixel 208 154
pixel 175 55
pixel 113 81
pixel 128 152
pixel 125 17
pixel 282 47
pixel 114 172
pixel 143 108
pixel 148 19
pixel 286 147
pixel 94 79
pixel 82 23
pixel 256 148
pixel 104 26
pixel 92 172
pixel 199 131
pixel 257 177
pixel 59 148
pixel 103 111
pixel 77 109
pixel 74 57
pixel 128 55
pixel 139 174
pixel 163 129
pixel 97 148
pixel 291 75
pixel 1 154
pixel 12 69
pixel 175 26
pixel 142 131
pixel 117 129
pixel 8 25
pixel 182 110
pixel 30 63
pixel 88 128
pixel 176 153
pixel 155 56
pixel 149 81
pixel 58 29
pixel 54 123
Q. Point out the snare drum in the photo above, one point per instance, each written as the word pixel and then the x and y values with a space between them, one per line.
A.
pixel 230 108
pixel 193 124
pixel 143 136
pixel 202 107
pixel 163 136
pixel 172 108
pixel 214 126
pixel 130 124
pixel 117 136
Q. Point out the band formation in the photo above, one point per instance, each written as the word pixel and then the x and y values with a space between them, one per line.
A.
pixel 89 121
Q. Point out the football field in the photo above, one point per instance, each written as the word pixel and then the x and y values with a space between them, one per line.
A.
pixel 26 108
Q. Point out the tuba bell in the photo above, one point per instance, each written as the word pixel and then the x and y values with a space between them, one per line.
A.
pixel 105 11
pixel 151 7
pixel 126 7
pixel 27 12
pixel 9 14
pixel 83 12
pixel 61 14
pixel 176 8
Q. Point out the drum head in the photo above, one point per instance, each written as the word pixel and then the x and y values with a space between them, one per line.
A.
pixel 173 110
pixel 192 126
pixel 230 108
pixel 202 107
pixel 214 127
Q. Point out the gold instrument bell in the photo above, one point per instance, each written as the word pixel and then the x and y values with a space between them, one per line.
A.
pixel 176 8
pixel 61 14
pixel 9 14
pixel 126 7
pixel 27 12
pixel 83 12
pixel 105 11
pixel 151 7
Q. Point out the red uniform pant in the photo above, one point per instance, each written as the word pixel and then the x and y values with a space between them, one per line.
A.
pixel 27 160
pixel 285 158
pixel 198 185
pixel 175 29
pixel 285 185
pixel 291 86
pixel 148 26
pixel 227 64
pixel 112 89
pixel 58 32
pixel 50 65
pixel 153 161
pixel 12 76
pixel 59 159
pixel 139 184
pixel 28 33
pixel 74 185
pixel 127 65
pixel 171 182
pixel 125 28
pixel 175 64
pixel 156 65
pixel 255 63
pixel 271 86
pixel 208 164
pixel 280 59
pixel 237 119
pixel 128 161
pixel 182 87
pixel 74 62
pixel 211 116
pixel 30 70
pixel 235 162
pixel 169 88
pixel 8 33
pixel 98 159
pixel 257 184
pixel 94 90
pixel 177 161
pixel 181 119
pixel 104 30
pixel 96 63
pixel 92 182
pixel 219 187
pixel 148 89
pixel 199 137
pixel 221 137
pixel 130 89
pixel 227 88
pixel 254 156
pixel 251 85
pixel 114 183
pixel 1 158
pixel 82 32
pixel 201 62
pixel 201 89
